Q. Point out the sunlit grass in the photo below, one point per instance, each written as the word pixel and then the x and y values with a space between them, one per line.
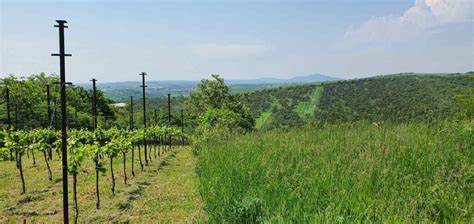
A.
pixel 165 192
pixel 348 173
pixel 260 121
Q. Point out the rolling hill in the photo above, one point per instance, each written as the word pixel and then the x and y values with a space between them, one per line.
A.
pixel 395 98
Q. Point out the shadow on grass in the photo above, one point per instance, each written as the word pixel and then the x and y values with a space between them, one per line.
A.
pixel 124 205
pixel 134 194
pixel 27 214
pixel 29 199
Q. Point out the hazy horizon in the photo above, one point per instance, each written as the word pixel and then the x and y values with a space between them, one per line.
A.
pixel 268 77
pixel 189 40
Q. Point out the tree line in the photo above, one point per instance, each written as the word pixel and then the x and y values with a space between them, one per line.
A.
pixel 29 105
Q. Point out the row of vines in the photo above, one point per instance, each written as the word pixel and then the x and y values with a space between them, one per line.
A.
pixel 101 146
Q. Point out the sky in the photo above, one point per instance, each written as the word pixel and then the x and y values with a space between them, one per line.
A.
pixel 189 40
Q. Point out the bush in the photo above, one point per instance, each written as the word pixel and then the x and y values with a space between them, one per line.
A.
pixel 249 210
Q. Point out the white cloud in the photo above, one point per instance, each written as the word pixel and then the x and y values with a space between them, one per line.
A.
pixel 229 50
pixel 420 18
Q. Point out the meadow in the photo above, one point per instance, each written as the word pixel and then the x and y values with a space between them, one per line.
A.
pixel 354 172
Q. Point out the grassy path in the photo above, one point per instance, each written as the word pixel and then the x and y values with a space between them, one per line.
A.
pixel 173 196
pixel 166 192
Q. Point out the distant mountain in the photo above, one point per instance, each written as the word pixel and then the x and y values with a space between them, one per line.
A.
pixel 121 91
pixel 297 79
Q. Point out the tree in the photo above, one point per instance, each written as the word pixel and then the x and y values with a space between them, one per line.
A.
pixel 212 105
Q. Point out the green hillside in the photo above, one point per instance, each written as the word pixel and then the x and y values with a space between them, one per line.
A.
pixel 384 98
pixel 393 98
pixel 283 106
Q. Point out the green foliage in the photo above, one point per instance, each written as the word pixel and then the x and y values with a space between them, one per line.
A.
pixel 397 98
pixel 350 173
pixel 282 118
pixel 246 211
pixel 212 105
pixel 262 119
pixel 82 143
pixel 306 109
pixel 150 192
pixel 221 118
pixel 120 142
pixel 77 151
pixel 210 94
pixel 17 142
pixel 282 107
pixel 466 102
pixel 28 103
pixel 290 96
pixel 245 88
pixel 4 153
pixel 122 114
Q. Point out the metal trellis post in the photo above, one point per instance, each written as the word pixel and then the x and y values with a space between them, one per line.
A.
pixel 144 114
pixel 94 105
pixel 62 55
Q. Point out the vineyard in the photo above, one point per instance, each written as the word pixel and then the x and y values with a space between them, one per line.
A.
pixel 99 148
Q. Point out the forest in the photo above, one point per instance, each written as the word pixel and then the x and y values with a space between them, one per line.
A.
pixel 395 98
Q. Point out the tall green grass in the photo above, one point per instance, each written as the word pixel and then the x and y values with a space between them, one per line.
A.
pixel 358 172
